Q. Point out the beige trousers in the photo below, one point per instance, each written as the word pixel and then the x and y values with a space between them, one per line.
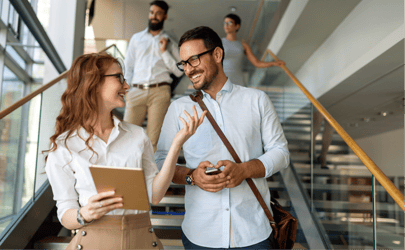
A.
pixel 117 232
pixel 154 102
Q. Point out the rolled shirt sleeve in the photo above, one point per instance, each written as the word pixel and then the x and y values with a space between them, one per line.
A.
pixel 62 180
pixel 276 156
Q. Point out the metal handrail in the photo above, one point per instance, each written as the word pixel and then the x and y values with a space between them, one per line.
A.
pixel 393 191
pixel 28 97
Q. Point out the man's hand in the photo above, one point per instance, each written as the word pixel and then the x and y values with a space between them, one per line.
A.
pixel 210 183
pixel 235 173
pixel 163 44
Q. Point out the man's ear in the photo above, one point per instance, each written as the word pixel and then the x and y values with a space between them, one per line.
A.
pixel 237 27
pixel 218 54
pixel 165 17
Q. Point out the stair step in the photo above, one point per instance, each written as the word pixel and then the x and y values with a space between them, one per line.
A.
pixel 62 243
pixel 53 242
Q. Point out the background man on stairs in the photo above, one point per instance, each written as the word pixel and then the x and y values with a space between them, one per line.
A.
pixel 150 59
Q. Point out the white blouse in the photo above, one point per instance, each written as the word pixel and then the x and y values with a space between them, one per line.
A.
pixel 68 168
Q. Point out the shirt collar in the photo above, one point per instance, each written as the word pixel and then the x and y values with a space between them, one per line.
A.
pixel 118 122
pixel 160 33
pixel 228 86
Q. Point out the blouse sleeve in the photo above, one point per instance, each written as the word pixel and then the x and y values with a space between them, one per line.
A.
pixel 149 166
pixel 62 180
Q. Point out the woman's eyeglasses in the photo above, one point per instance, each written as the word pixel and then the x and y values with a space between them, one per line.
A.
pixel 119 76
pixel 194 61
pixel 229 23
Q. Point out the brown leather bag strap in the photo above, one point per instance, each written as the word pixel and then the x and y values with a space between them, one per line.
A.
pixel 197 97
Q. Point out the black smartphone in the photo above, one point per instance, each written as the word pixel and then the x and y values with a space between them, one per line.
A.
pixel 212 171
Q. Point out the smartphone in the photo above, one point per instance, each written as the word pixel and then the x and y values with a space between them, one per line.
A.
pixel 212 171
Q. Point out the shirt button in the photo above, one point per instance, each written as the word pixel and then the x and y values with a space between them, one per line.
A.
pixel 83 233
pixel 227 209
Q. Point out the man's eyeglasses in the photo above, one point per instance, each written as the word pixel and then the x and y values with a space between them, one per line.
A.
pixel 194 61
pixel 119 76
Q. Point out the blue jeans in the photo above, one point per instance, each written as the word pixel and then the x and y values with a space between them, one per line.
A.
pixel 266 244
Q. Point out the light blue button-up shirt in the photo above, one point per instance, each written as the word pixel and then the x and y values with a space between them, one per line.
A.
pixel 249 121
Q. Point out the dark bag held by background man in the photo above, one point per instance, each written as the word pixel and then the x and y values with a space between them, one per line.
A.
pixel 284 224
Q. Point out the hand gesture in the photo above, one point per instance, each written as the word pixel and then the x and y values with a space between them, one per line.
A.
pixel 100 204
pixel 279 63
pixel 188 128
pixel 163 44
pixel 210 183
pixel 234 172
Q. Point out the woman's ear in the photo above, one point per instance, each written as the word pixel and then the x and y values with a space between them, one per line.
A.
pixel 218 54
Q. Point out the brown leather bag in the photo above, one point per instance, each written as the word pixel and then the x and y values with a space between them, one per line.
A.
pixel 284 224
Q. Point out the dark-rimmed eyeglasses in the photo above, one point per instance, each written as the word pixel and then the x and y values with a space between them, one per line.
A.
pixel 119 76
pixel 194 61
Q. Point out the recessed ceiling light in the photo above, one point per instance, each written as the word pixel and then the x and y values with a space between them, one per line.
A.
pixel 232 8
pixel 385 113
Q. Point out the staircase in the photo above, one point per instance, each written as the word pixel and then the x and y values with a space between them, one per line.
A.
pixel 340 196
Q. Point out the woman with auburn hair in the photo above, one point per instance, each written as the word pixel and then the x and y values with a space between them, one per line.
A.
pixel 235 51
pixel 87 133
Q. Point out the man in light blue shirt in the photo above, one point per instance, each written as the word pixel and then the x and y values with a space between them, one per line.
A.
pixel 221 210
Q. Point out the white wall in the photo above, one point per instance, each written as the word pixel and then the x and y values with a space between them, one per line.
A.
pixel 66 31
pixel 383 150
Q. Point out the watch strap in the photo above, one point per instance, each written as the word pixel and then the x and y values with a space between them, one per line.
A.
pixel 189 174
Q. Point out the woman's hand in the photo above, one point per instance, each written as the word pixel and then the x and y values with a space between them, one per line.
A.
pixel 189 128
pixel 100 204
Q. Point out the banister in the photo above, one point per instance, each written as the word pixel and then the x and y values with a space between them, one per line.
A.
pixel 28 97
pixel 371 166
pixel 259 9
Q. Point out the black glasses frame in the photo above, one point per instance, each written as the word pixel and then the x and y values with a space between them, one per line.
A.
pixel 121 77
pixel 180 65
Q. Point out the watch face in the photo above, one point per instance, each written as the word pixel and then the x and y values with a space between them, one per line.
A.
pixel 189 180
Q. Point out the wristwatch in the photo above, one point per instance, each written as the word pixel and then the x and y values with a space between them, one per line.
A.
pixel 81 220
pixel 189 177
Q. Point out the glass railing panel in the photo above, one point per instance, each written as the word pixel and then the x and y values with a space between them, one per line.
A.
pixel 10 127
pixel 18 148
pixel 51 95
pixel 389 221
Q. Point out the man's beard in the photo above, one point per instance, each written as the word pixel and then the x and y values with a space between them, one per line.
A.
pixel 155 26
pixel 207 82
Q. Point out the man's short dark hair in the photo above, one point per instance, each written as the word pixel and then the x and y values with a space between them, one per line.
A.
pixel 235 18
pixel 162 4
pixel 210 38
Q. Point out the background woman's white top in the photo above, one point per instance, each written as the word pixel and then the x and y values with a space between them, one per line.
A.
pixel 233 67
pixel 69 174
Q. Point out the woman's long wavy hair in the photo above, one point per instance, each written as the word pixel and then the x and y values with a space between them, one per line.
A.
pixel 80 99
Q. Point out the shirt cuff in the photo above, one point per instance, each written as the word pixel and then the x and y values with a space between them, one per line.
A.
pixel 64 206
pixel 267 166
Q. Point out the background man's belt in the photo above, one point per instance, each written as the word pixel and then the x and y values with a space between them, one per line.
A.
pixel 148 86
